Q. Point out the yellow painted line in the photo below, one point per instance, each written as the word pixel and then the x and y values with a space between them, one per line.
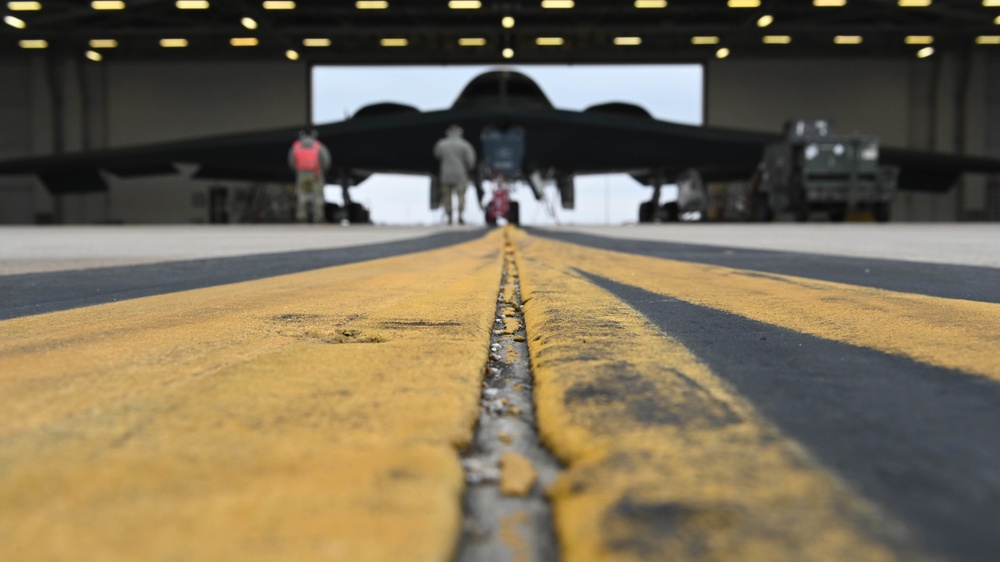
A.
pixel 949 333
pixel 312 416
pixel 663 461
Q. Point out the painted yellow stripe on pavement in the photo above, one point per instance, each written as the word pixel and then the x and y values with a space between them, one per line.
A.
pixel 949 333
pixel 663 462
pixel 306 417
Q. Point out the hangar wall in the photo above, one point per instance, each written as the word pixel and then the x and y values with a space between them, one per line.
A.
pixel 50 105
pixel 943 103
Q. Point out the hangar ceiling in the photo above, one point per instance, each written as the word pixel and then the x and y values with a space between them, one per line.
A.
pixel 464 31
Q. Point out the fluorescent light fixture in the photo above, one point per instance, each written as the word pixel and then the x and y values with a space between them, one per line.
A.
pixel 919 40
pixel 107 5
pixel 33 43
pixel 765 20
pixel 508 53
pixel 93 55
pixel 777 39
pixel 371 4
pixel 744 3
pixel 471 41
pixel 987 3
pixel 24 6
pixel 829 3
pixel 558 4
pixel 507 22
pixel 244 42
pixel 173 43
pixel 279 5
pixel 316 42
pixel 192 4
pixel 249 23
pixel 722 53
pixel 292 55
pixel 549 41
pixel 394 42
pixel 14 22
pixel 847 40
pixel 988 40
pixel 650 3
pixel 465 4
pixel 628 41
pixel 705 40
pixel 103 43
pixel 914 4
pixel 925 52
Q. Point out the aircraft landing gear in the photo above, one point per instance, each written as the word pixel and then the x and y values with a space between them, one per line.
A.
pixel 500 206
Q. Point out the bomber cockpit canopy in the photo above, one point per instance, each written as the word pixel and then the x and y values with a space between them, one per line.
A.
pixel 502 88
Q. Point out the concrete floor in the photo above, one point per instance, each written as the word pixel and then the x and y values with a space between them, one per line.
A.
pixel 38 249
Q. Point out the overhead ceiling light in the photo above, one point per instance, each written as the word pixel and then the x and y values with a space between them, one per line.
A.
pixel 371 4
pixel 744 3
pixel 192 4
pixel 988 40
pixel 777 39
pixel 650 3
pixel 249 23
pixel 394 42
pixel 722 53
pixel 549 41
pixel 244 42
pixel 919 40
pixel 103 43
pixel 173 43
pixel 765 20
pixel 471 41
pixel 914 4
pixel 14 22
pixel 507 22
pixel 24 6
pixel 626 41
pixel 991 3
pixel 93 55
pixel 925 52
pixel 847 40
pixel 292 55
pixel 557 4
pixel 508 53
pixel 33 43
pixel 705 40
pixel 279 5
pixel 997 20
pixel 465 4
pixel 316 42
pixel 829 3
pixel 107 5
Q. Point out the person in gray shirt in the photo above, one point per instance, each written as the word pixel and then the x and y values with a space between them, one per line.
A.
pixel 457 157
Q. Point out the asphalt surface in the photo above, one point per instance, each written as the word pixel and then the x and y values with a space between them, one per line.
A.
pixel 770 422
pixel 48 291
pixel 921 442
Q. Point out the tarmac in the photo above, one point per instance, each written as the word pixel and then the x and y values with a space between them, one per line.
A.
pixel 708 392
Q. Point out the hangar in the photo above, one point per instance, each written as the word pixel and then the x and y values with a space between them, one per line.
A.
pixel 107 74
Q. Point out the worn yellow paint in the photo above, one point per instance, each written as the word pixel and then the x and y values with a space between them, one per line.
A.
pixel 517 475
pixel 664 462
pixel 949 333
pixel 312 416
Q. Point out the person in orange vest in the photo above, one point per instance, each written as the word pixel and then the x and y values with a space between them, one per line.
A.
pixel 310 159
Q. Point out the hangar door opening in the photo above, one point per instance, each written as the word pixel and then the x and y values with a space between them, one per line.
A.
pixel 668 92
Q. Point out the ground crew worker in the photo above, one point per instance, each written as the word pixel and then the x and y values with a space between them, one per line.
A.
pixel 457 158
pixel 309 158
